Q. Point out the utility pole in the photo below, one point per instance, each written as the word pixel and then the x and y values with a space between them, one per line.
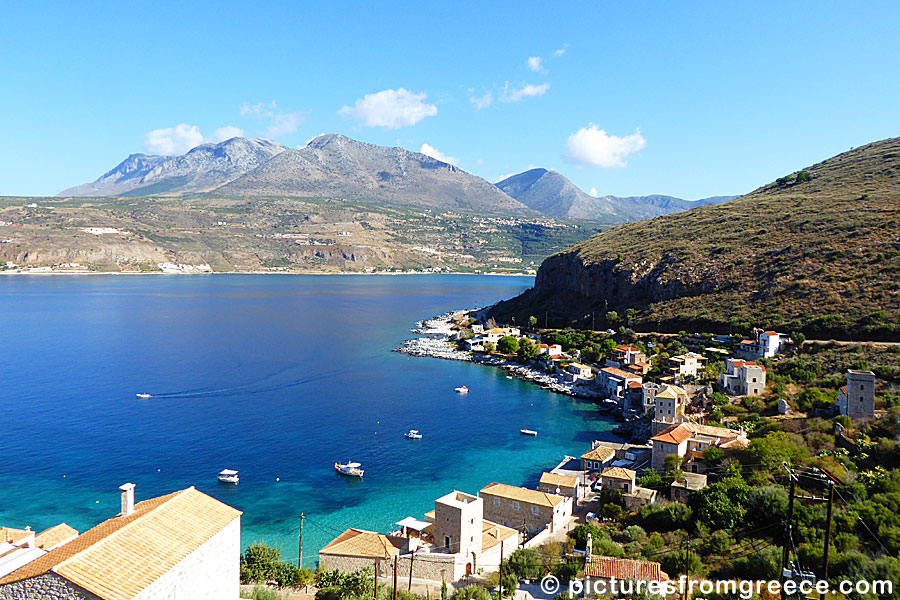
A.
pixel 500 596
pixel 412 556
pixel 375 597
pixel 785 553
pixel 395 577
pixel 300 551
pixel 524 531
pixel 833 480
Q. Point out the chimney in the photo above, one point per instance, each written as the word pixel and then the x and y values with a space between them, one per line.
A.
pixel 588 549
pixel 127 499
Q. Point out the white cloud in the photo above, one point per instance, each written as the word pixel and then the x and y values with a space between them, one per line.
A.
pixel 592 146
pixel 390 108
pixel 560 51
pixel 278 122
pixel 226 133
pixel 172 141
pixel 525 91
pixel 433 152
pixel 534 64
pixel 502 177
pixel 482 101
pixel 593 192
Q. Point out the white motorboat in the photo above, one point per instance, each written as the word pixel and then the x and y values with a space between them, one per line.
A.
pixel 530 432
pixel 350 469
pixel 413 434
pixel 228 476
pixel 143 396
pixel 462 390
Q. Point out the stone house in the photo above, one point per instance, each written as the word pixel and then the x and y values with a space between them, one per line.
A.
pixel 600 571
pixel 357 549
pixel 520 508
pixel 689 441
pixel 181 545
pixel 743 378
pixel 857 398
pixel 681 488
pixel 669 406
pixel 576 371
pixel 613 382
pixel 618 479
pixel 561 485
pixel 623 356
pixel 597 458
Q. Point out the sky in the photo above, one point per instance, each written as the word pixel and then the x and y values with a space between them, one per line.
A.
pixel 625 98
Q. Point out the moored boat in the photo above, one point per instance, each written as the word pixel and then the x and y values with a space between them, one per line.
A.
pixel 228 476
pixel 350 469
pixel 413 434
pixel 462 390
pixel 530 432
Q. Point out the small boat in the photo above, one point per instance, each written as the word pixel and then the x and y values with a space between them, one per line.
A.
pixel 143 396
pixel 462 390
pixel 530 432
pixel 350 469
pixel 413 434
pixel 228 476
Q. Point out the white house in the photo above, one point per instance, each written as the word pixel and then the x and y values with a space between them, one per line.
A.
pixel 686 365
pixel 181 545
pixel 763 344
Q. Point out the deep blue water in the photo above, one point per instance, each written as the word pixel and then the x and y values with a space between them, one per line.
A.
pixel 277 376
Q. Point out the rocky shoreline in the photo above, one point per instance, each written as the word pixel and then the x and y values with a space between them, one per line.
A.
pixel 435 343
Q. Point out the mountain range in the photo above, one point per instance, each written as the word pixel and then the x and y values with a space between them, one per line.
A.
pixel 336 166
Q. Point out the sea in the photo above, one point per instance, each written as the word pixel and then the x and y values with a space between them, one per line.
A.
pixel 277 376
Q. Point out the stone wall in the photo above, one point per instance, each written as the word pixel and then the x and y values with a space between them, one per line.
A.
pixel 49 586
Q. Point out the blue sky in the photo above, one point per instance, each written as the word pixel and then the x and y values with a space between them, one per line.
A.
pixel 688 99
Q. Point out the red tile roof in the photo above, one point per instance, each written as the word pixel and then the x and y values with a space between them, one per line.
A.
pixel 602 567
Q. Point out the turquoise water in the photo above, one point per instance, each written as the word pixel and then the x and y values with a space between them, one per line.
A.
pixel 277 376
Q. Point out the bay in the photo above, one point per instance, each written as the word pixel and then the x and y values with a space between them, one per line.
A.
pixel 278 376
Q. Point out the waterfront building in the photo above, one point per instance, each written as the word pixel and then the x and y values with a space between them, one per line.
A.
pixel 521 508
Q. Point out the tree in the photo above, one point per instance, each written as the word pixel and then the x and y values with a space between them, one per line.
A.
pixel 259 563
pixel 508 345
pixel 510 585
pixel 526 563
pixel 528 349
pixel 532 321
pixel 489 347
pixel 673 463
pixel 612 317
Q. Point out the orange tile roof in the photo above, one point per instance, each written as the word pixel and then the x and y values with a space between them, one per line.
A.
pixel 120 557
pixel 56 535
pixel 618 373
pixel 635 384
pixel 558 480
pixel 13 536
pixel 618 473
pixel 601 453
pixel 494 533
pixel 603 567
pixel 674 434
pixel 522 494
pixel 363 544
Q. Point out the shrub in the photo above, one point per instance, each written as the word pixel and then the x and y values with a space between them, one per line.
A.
pixel 508 345
pixel 471 592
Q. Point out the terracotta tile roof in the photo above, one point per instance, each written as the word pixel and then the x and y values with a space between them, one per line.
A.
pixel 603 567
pixel 672 392
pixel 520 494
pixel 56 535
pixel 494 533
pixel 363 544
pixel 618 473
pixel 120 557
pixel 600 453
pixel 558 480
pixel 618 373
pixel 674 434
pixel 771 333
pixel 13 536
pixel 634 384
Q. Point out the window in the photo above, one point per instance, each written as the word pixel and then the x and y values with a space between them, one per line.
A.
pixel 515 505
pixel 496 501
pixel 534 510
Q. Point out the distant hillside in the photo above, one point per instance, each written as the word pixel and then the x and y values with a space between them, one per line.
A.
pixel 553 194
pixel 336 166
pixel 203 168
pixel 816 251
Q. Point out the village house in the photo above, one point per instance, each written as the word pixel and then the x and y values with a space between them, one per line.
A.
pixel 576 371
pixel 688 441
pixel 357 549
pixel 685 365
pixel 618 479
pixel 561 485
pixel 520 507
pixel 613 382
pixel 634 400
pixel 763 344
pixel 622 356
pixel 600 571
pixel 639 368
pixel 669 407
pixel 181 545
pixel 597 458
pixel 550 349
pixel 743 378
pixel 681 488
pixel 493 335
pixel 857 398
